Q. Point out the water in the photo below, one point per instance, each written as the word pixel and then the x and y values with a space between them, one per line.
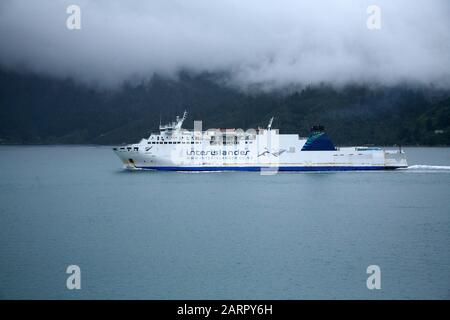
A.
pixel 169 235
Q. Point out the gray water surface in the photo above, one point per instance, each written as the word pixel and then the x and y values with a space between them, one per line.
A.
pixel 231 235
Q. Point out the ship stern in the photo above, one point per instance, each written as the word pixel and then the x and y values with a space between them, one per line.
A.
pixel 395 159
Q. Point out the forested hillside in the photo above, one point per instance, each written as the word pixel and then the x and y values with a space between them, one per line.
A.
pixel 40 110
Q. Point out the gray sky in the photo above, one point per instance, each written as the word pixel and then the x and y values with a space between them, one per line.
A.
pixel 270 44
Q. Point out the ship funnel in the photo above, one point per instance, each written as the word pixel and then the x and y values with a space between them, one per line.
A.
pixel 318 140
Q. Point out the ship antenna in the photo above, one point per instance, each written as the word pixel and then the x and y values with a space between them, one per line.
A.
pixel 269 127
pixel 180 121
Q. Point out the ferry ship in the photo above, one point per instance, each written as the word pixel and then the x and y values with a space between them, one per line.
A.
pixel 178 149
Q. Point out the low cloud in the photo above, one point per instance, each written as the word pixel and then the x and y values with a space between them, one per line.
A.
pixel 262 43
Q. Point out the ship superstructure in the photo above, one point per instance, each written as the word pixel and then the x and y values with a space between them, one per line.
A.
pixel 178 149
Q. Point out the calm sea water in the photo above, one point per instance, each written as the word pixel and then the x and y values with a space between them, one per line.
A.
pixel 169 235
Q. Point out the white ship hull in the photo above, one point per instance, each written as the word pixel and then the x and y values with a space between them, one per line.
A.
pixel 264 149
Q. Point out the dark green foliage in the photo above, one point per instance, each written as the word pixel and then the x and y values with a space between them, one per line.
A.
pixel 35 109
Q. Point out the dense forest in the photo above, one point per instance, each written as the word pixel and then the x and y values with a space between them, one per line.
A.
pixel 36 109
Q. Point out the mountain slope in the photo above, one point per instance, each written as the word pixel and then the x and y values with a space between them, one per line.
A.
pixel 36 109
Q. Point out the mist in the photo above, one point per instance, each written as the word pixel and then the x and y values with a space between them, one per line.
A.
pixel 255 43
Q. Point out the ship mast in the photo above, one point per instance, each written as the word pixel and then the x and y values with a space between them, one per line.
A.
pixel 180 121
pixel 175 125
pixel 269 127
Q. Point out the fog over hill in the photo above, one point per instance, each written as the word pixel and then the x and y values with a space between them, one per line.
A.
pixel 263 43
pixel 231 63
pixel 36 109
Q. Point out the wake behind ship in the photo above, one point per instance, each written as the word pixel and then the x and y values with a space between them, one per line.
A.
pixel 178 149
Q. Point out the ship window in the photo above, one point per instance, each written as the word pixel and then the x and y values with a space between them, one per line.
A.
pixel 192 142
pixel 165 142
pixel 136 148
pixel 170 142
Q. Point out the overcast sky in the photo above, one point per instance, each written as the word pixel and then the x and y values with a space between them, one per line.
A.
pixel 268 43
